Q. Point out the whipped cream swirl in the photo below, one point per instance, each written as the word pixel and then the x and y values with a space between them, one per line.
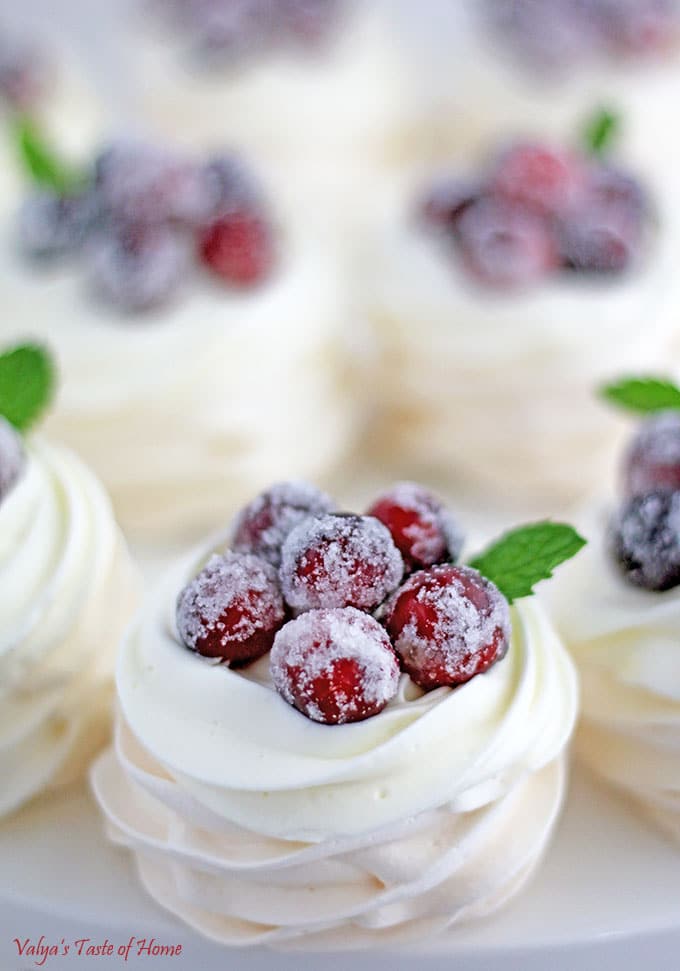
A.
pixel 626 646
pixel 67 587
pixel 257 825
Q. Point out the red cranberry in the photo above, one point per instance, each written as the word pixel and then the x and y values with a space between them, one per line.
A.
pixel 604 233
pixel 646 539
pixel 25 73
pixel 653 458
pixel 505 245
pixel 421 526
pixel 546 179
pixel 12 457
pixel 136 266
pixel 52 225
pixel 335 666
pixel 339 561
pixel 139 182
pixel 641 27
pixel 446 201
pixel 232 609
pixel 448 624
pixel 238 247
pixel 263 525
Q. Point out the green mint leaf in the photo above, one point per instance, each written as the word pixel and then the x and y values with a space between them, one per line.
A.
pixel 41 162
pixel 643 394
pixel 27 381
pixel 601 130
pixel 522 557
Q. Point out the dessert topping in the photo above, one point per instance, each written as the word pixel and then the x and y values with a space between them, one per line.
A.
pixel 232 609
pixel 263 525
pixel 335 665
pixel 448 624
pixel 339 560
pixel 423 529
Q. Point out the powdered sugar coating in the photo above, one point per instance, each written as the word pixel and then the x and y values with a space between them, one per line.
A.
pixel 335 665
pixel 653 457
pixel 339 561
pixel 423 529
pixel 262 526
pixel 232 609
pixel 646 540
pixel 12 457
pixel 448 624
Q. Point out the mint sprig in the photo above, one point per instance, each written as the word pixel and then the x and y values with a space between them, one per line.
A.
pixel 524 556
pixel 643 395
pixel 600 132
pixel 27 383
pixel 41 161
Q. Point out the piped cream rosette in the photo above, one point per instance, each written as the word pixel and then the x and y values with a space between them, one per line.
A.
pixel 67 590
pixel 256 825
pixel 625 643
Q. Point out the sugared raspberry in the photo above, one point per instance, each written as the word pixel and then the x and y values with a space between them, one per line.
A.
pixel 263 525
pixel 136 267
pixel 448 624
pixel 505 245
pixel 546 179
pixel 646 539
pixel 335 666
pixel 445 201
pixel 51 225
pixel 604 233
pixel 423 529
pixel 238 247
pixel 232 609
pixel 339 561
pixel 653 457
pixel 12 457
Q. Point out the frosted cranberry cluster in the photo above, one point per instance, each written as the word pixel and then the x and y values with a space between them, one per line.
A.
pixel 144 217
pixel 231 30
pixel 645 533
pixel 345 602
pixel 556 34
pixel 540 211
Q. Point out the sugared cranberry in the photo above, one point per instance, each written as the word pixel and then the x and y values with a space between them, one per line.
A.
pixel 640 27
pixel 136 267
pixel 263 525
pixel 448 624
pixel 335 666
pixel 653 457
pixel 339 561
pixel 12 457
pixel 604 233
pixel 505 245
pixel 548 180
pixel 446 200
pixel 51 225
pixel 232 609
pixel 25 73
pixel 229 186
pixel 646 539
pixel 238 247
pixel 138 182
pixel 423 529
